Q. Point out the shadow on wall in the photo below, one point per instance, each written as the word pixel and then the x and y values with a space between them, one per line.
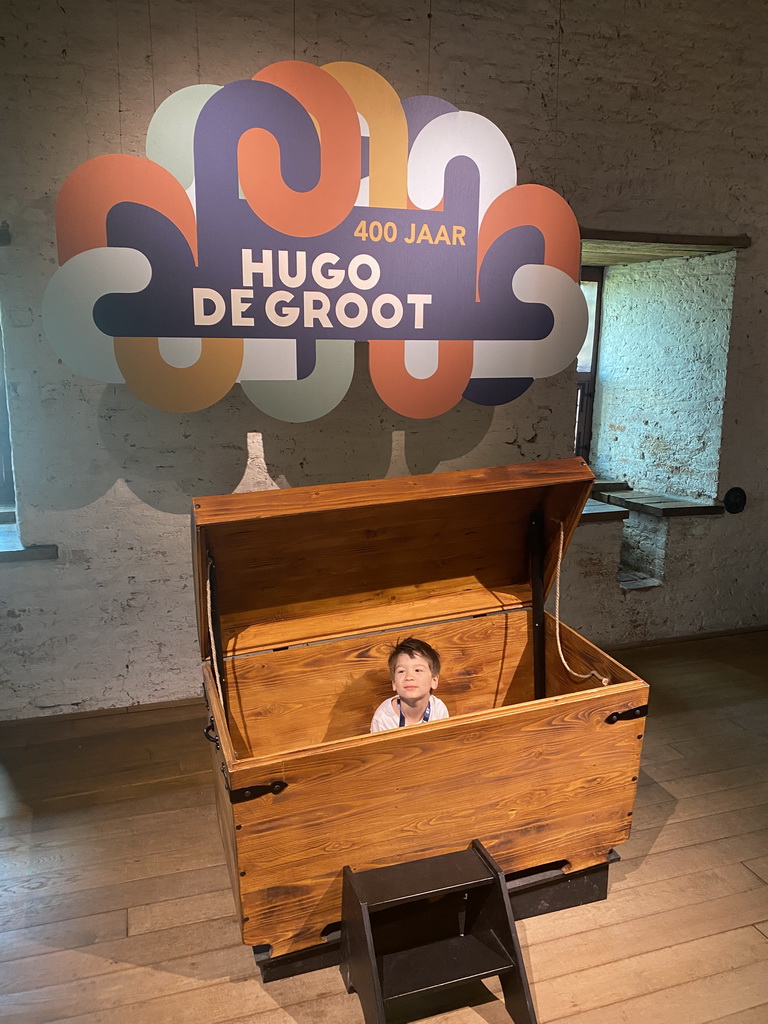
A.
pixel 355 441
pixel 165 458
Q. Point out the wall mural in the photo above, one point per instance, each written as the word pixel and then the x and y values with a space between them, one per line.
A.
pixel 276 222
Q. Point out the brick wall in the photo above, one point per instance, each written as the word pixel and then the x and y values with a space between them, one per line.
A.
pixel 662 373
pixel 645 117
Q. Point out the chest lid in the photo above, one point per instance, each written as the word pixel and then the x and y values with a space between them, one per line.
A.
pixel 306 564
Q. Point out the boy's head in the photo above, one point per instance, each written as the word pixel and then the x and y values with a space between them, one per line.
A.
pixel 414 668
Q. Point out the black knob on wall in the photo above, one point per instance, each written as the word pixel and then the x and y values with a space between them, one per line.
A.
pixel 734 501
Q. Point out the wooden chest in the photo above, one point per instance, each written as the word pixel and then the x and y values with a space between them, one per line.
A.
pixel 302 592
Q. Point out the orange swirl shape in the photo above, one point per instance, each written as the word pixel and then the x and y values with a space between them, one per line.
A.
pixel 322 208
pixel 93 188
pixel 544 209
pixel 410 396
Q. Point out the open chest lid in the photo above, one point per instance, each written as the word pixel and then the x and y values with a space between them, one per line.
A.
pixel 306 564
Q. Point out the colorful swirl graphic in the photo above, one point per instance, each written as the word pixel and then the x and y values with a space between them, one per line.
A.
pixel 275 222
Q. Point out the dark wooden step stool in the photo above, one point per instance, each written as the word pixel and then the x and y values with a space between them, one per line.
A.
pixel 427 925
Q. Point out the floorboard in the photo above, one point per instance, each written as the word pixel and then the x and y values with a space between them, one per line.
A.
pixel 115 905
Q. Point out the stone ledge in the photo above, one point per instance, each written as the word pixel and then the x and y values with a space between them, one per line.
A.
pixel 36 553
pixel 601 484
pixel 628 579
pixel 12 550
pixel 601 512
pixel 659 505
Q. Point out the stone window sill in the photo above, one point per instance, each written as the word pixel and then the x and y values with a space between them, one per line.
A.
pixel 601 512
pixel 12 550
pixel 628 579
pixel 658 505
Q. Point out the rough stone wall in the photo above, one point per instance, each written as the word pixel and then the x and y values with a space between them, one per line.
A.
pixel 697 553
pixel 645 117
pixel 644 544
pixel 661 374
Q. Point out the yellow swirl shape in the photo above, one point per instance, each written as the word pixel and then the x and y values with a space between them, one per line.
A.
pixel 179 389
pixel 380 105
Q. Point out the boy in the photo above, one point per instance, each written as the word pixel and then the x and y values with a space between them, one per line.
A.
pixel 414 668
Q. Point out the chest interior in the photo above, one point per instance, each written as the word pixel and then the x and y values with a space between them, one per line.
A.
pixel 302 594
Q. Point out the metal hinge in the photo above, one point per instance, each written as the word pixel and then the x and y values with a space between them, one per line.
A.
pixel 627 716
pixel 210 734
pixel 237 796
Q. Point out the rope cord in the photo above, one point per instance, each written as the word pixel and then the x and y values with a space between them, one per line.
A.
pixel 578 675
pixel 212 640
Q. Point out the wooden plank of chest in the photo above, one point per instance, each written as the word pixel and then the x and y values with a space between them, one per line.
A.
pixel 537 783
pixel 308 577
pixel 297 698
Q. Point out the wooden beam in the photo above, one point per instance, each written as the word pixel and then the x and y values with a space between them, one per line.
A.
pixel 600 248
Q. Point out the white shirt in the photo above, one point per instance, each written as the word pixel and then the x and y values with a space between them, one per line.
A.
pixel 388 717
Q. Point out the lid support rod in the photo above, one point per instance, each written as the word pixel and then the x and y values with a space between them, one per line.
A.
pixel 217 657
pixel 536 544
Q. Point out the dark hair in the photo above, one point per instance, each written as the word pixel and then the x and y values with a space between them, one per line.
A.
pixel 412 646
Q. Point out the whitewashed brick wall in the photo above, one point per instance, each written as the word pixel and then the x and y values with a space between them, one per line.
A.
pixel 662 372
pixel 644 116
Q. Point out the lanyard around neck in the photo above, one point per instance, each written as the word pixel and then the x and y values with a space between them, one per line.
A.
pixel 425 717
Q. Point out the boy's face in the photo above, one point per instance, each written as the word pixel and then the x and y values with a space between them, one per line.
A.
pixel 412 678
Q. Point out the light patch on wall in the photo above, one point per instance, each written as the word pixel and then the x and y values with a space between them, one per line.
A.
pixel 269 359
pixel 180 352
pixel 662 372
pixel 421 358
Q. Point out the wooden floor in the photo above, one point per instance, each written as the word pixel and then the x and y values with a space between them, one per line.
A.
pixel 115 906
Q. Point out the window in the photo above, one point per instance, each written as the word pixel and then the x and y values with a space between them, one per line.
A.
pixel 651 385
pixel 651 375
pixel 586 367
pixel 660 372
pixel 6 475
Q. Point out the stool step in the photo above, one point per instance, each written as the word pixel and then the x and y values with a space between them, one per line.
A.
pixel 439 965
pixel 426 925
pixel 420 879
